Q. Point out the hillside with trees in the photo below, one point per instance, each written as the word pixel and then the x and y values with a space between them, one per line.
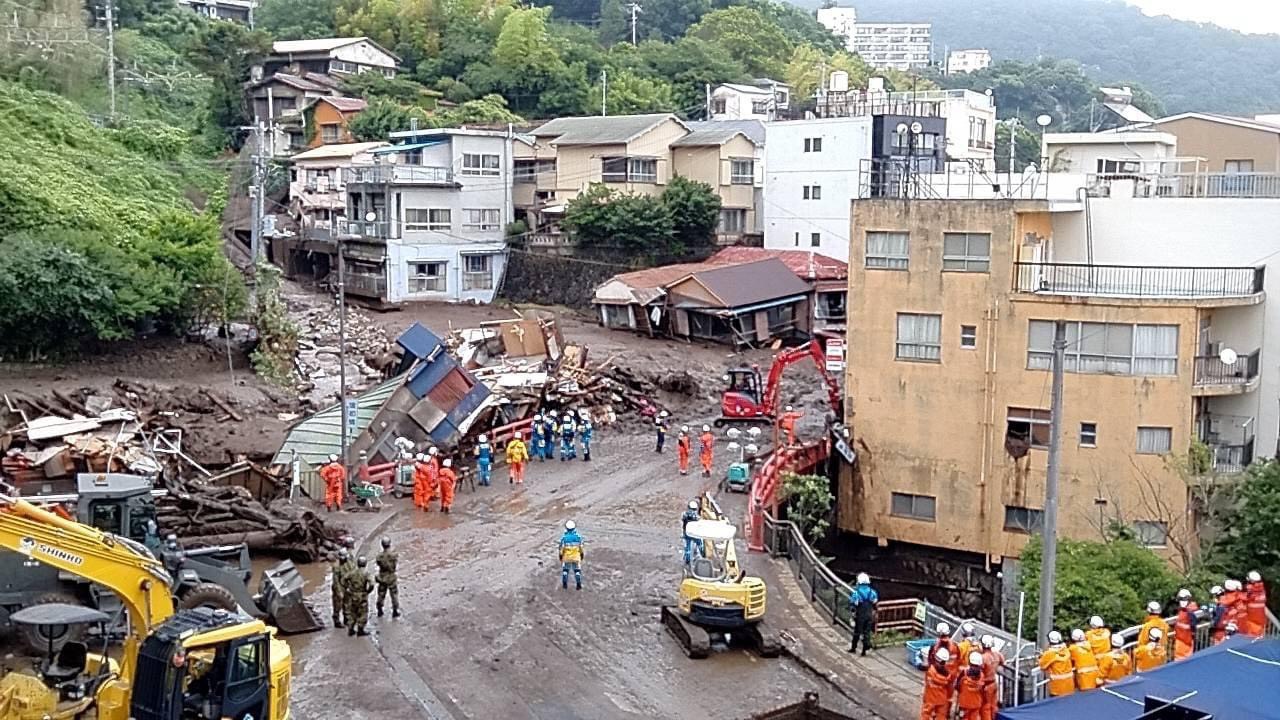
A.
pixel 1189 66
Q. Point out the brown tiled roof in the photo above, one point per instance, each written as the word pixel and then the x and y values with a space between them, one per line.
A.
pixel 749 283
pixel 807 265
pixel 345 104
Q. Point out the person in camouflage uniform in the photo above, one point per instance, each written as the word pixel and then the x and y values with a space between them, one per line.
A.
pixel 386 562
pixel 337 568
pixel 356 591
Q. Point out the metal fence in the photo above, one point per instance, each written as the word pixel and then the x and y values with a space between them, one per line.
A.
pixel 1137 280
pixel 1210 370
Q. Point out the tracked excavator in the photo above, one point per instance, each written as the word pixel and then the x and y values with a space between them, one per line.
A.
pixel 195 664
pixel 718 602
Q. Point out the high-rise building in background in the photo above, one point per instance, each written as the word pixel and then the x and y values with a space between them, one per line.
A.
pixel 967 61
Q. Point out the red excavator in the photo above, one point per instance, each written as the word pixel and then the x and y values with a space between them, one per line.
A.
pixel 746 399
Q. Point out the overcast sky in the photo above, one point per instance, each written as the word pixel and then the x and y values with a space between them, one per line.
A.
pixel 1251 16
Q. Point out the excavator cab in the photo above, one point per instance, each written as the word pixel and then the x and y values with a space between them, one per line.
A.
pixel 742 394
pixel 207 664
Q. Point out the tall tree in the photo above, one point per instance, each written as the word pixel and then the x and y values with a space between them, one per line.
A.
pixel 629 93
pixel 691 64
pixel 297 19
pixel 604 218
pixel 748 36
pixel 695 212
pixel 804 71
pixel 225 51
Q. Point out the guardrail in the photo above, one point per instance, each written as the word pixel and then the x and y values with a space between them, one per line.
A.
pixel 407 174
pixel 1262 185
pixel 1152 281
pixel 1211 371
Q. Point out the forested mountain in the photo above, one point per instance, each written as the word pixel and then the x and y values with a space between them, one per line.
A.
pixel 1189 66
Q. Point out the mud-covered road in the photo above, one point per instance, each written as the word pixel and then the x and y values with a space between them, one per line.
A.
pixel 488 633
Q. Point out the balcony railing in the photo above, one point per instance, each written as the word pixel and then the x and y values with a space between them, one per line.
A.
pixel 1232 458
pixel 374 286
pixel 401 174
pixel 1211 371
pixel 376 230
pixel 1189 185
pixel 1137 281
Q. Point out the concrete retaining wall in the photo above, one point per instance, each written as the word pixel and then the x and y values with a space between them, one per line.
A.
pixel 554 280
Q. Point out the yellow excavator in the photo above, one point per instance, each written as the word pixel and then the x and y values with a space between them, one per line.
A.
pixel 197 664
pixel 718 601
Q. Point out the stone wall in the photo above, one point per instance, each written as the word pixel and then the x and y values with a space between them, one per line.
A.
pixel 553 279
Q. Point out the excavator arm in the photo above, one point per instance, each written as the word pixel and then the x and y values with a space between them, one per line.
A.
pixel 789 357
pixel 121 565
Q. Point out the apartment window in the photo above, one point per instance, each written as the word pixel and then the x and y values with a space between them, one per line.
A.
pixel 476 272
pixel 969 336
pixel 717 107
pixel 977 130
pixel 887 250
pixel 643 170
pixel 613 169
pixel 426 277
pixel 1023 519
pixel 1110 348
pixel 426 219
pixel 524 170
pixel 831 306
pixel 1029 426
pixel 760 107
pixel 480 164
pixel 1151 533
pixel 812 192
pixel 1118 167
pixel 330 133
pixel 966 252
pixel 742 172
pixel 342 66
pixel 815 239
pixel 1235 167
pixel 813 144
pixel 1155 440
pixel 733 220
pixel 916 507
pixel 1088 434
pixel 481 219
pixel 919 337
pixel 781 318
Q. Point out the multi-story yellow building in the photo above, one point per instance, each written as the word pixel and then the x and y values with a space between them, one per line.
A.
pixel 952 305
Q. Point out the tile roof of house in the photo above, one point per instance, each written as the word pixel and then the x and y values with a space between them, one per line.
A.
pixel 749 89
pixel 322 79
pixel 346 104
pixel 806 265
pixel 295 82
pixel 748 283
pixel 719 132
pixel 283 47
pixel 336 151
pixel 1225 119
pixel 611 130
pixel 656 277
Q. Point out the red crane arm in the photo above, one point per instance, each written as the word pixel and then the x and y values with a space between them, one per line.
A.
pixel 788 357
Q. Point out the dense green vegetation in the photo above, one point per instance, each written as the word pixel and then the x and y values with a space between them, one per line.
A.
pixel 681 219
pixel 1190 66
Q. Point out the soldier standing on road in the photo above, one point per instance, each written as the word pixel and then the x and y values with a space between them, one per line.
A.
pixel 336 581
pixel 387 581
pixel 357 590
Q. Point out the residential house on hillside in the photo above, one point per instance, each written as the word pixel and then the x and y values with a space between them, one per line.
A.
pixel 318 202
pixel 1228 144
pixel 1108 153
pixel 279 102
pixel 744 304
pixel 427 219
pixel 763 99
pixel 240 11
pixel 728 156
pixel 827 277
pixel 330 119
pixel 329 56
pixel 637 300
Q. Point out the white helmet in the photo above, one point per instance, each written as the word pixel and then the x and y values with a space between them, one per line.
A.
pixel 664 413
pixel 684 428
pixel 582 413
pixel 568 415
pixel 693 504
pixel 1231 628
pixel 1233 585
pixel 987 641
pixel 966 628
pixel 943 655
pixel 943 629
pixel 421 457
pixel 1096 621
pixel 448 462
pixel 1184 594
pixel 569 525
pixel 1077 635
pixel 1254 576
pixel 333 458
pixel 788 408
pixel 1155 634
pixel 1153 607
pixel 975 659
pixel 1117 640
pixel 706 428
pixel 864 579
pixel 484 438
pixel 432 450
pixel 1216 590
pixel 1055 637
pixel 537 416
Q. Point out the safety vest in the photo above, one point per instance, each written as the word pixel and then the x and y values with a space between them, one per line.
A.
pixel 970 691
pixel 1185 626
pixel 1099 641
pixel 1086 666
pixel 1055 662
pixel 1256 615
pixel 1149 656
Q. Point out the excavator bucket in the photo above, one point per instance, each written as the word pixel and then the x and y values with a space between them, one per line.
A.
pixel 282 598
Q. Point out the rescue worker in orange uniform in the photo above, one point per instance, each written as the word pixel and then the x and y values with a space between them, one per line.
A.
pixel 1115 665
pixel 683 445
pixel 1154 620
pixel 421 483
pixel 1099 637
pixel 1085 663
pixel 1055 663
pixel 944 642
pixel 448 481
pixel 1255 620
pixel 335 482
pixel 1184 626
pixel 517 456
pixel 1152 655
pixel 1239 615
pixel 972 688
pixel 992 661
pixel 708 442
pixel 788 423
pixel 939 686
pixel 1220 613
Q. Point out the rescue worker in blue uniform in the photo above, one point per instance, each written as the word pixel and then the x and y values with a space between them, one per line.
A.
pixel 585 429
pixel 660 428
pixel 552 430
pixel 570 555
pixel 568 450
pixel 484 459
pixel 690 544
pixel 539 432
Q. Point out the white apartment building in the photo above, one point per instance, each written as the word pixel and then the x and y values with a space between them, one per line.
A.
pixel 317 194
pixel 427 219
pixel 839 20
pixel 901 46
pixel 1106 153
pixel 763 100
pixel 967 61
pixel 811 175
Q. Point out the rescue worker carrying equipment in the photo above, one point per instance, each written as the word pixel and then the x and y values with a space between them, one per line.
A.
pixel 862 604
pixel 1099 636
pixel 484 459
pixel 708 442
pixel 1184 630
pixel 660 429
pixel 992 661
pixel 1255 620
pixel 939 686
pixel 587 430
pixel 944 642
pixel 448 481
pixel 568 450
pixel 1152 655
pixel 1085 663
pixel 387 563
pixel 1055 663
pixel 1154 620
pixel 570 555
pixel 1114 665
pixel 972 689
pixel 682 449
pixel 335 482
pixel 517 456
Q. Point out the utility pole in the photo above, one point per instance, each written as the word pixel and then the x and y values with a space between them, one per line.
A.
pixel 604 93
pixel 635 9
pixel 342 354
pixel 111 52
pixel 1049 561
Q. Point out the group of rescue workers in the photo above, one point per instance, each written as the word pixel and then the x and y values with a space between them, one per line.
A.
pixel 351 587
pixel 684 444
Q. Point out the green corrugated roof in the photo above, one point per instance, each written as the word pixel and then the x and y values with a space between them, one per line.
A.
pixel 317 437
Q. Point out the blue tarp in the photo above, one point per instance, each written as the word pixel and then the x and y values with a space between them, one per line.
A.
pixel 1237 680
